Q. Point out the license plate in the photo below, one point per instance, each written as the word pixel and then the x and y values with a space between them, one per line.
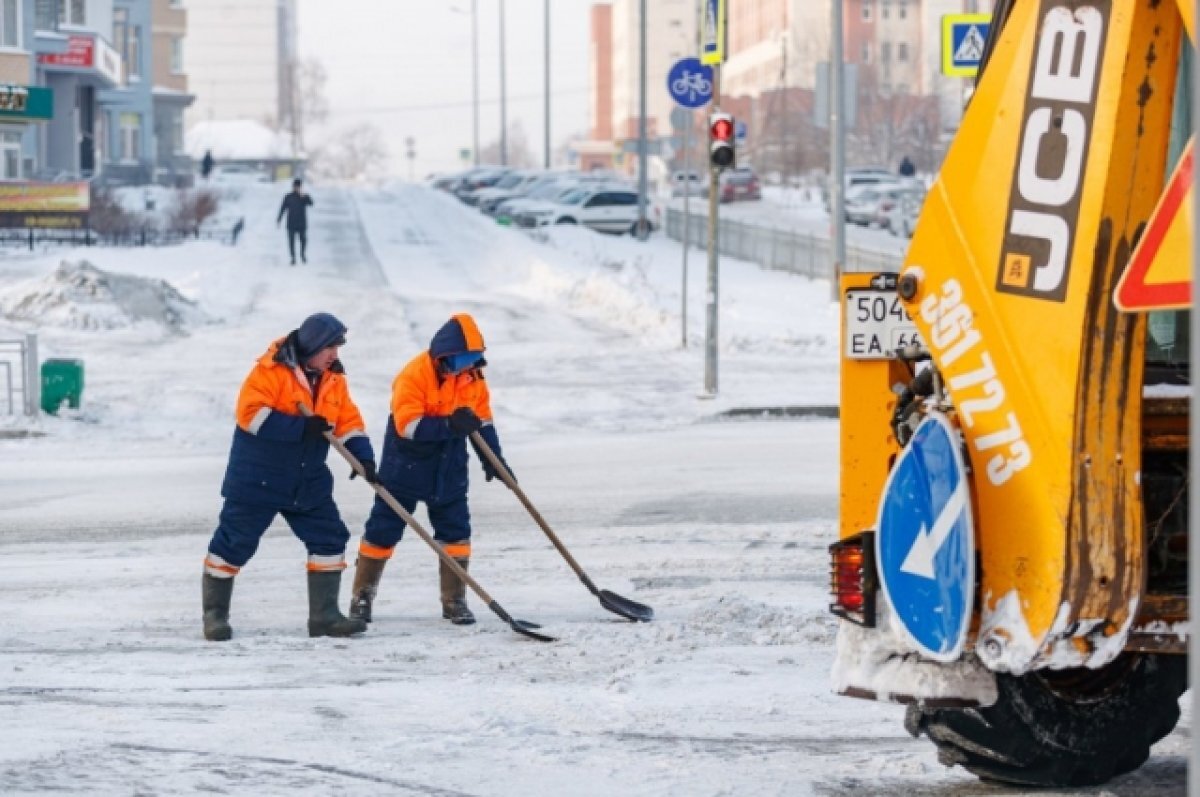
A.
pixel 877 325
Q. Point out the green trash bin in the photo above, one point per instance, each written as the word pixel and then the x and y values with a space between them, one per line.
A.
pixel 62 380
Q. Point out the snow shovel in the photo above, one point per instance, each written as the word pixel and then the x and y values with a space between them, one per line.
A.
pixel 520 626
pixel 630 610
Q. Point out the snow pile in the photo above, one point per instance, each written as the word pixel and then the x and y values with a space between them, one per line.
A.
pixel 738 620
pixel 81 296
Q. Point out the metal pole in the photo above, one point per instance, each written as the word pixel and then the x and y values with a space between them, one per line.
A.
pixel 714 176
pixel 546 163
pixel 1194 465
pixel 503 96
pixel 33 382
pixel 642 225
pixel 475 78
pixel 687 217
pixel 837 138
pixel 783 126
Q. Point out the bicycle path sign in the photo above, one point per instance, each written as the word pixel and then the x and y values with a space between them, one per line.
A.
pixel 690 83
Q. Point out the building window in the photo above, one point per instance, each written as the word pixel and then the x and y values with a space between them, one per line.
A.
pixel 45 15
pixel 885 52
pixel 902 9
pixel 884 8
pixel 10 23
pixel 866 8
pixel 10 155
pixel 72 12
pixel 131 127
pixel 176 55
pixel 902 51
pixel 866 52
pixel 127 40
pixel 176 3
pixel 175 131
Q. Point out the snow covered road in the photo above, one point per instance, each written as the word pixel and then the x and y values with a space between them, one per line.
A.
pixel 106 686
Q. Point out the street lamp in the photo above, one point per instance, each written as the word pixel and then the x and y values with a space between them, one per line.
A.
pixel 474 75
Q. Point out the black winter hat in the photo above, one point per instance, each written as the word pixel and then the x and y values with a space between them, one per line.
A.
pixel 318 331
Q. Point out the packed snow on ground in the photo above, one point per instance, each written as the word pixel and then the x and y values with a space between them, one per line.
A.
pixel 721 526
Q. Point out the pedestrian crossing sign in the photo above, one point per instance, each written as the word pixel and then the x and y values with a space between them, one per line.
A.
pixel 963 39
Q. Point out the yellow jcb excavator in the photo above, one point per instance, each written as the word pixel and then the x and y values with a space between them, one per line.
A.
pixel 1012 560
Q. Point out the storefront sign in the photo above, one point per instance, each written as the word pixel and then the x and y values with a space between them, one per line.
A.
pixel 26 102
pixel 86 52
pixel 53 205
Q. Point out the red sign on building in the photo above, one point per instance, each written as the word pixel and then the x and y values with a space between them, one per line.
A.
pixel 81 52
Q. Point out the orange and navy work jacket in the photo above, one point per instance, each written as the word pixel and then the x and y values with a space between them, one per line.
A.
pixel 271 462
pixel 422 457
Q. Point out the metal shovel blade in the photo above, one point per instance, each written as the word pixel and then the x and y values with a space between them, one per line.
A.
pixel 630 610
pixel 527 628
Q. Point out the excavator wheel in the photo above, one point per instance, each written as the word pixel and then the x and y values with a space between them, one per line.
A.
pixel 1058 728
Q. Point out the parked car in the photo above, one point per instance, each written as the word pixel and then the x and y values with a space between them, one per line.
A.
pixel 484 177
pixel 687 184
pixel 605 208
pixel 860 178
pixel 863 203
pixel 737 184
pixel 899 214
pixel 504 187
pixel 550 193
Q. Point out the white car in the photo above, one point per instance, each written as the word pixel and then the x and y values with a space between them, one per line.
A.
pixel 550 193
pixel 604 208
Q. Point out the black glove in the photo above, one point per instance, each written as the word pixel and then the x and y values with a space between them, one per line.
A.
pixel 369 473
pixel 463 421
pixel 490 473
pixel 316 425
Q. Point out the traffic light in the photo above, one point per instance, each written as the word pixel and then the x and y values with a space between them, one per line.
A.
pixel 720 133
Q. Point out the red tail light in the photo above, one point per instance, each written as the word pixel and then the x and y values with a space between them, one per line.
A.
pixel 852 579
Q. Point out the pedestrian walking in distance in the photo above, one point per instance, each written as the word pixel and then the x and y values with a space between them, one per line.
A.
pixel 277 467
pixel 438 400
pixel 295 206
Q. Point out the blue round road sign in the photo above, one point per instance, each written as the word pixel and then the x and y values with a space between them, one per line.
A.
pixel 690 83
pixel 925 541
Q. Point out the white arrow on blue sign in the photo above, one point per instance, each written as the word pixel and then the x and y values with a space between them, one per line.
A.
pixel 690 83
pixel 925 541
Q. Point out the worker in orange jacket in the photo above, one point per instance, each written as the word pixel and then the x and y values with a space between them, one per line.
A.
pixel 277 467
pixel 438 400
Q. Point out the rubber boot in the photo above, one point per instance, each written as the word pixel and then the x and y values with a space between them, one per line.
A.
pixel 454 593
pixel 367 573
pixel 215 596
pixel 324 617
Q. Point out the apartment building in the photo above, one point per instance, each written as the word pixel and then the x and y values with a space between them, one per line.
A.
pixel 171 97
pixel 670 34
pixel 25 105
pixel 239 58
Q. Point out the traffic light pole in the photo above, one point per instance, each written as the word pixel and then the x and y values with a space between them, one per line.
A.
pixel 714 178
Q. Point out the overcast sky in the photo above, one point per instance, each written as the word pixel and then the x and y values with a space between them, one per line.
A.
pixel 405 65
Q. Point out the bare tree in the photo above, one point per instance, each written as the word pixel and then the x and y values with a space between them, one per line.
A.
pixel 304 83
pixel 352 154
pixel 520 154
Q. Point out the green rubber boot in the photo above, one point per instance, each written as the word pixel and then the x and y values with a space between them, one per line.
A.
pixel 324 617
pixel 215 596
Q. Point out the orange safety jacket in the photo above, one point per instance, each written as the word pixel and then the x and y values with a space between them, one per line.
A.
pixel 422 457
pixel 271 461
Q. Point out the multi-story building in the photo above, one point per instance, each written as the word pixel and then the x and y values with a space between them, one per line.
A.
pixel 239 59
pixel 128 109
pixel 597 151
pixel 670 35
pixel 169 27
pixel 76 61
pixel 25 106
